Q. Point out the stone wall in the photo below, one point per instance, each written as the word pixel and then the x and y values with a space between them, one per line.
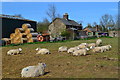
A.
pixel 114 33
pixel 56 27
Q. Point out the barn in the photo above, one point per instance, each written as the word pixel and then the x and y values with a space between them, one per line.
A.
pixel 10 23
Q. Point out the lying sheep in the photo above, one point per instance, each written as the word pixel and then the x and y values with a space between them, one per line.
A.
pixel 80 52
pixel 98 42
pixel 33 71
pixel 14 51
pixel 98 49
pixel 82 46
pixel 62 49
pixel 91 45
pixel 42 51
pixel 71 50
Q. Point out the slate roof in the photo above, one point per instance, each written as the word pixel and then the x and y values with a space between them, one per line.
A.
pixel 69 22
pixel 92 29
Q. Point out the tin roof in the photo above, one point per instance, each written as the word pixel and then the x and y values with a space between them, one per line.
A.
pixel 14 17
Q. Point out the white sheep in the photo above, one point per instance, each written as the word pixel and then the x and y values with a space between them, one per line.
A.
pixel 33 71
pixel 72 49
pixel 42 51
pixel 98 49
pixel 62 49
pixel 106 47
pixel 91 45
pixel 14 51
pixel 98 42
pixel 82 46
pixel 80 52
pixel 109 47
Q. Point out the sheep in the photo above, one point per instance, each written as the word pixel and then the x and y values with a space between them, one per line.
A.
pixel 80 52
pixel 42 51
pixel 33 71
pixel 62 49
pixel 106 47
pixel 98 42
pixel 109 47
pixel 14 51
pixel 91 45
pixel 81 46
pixel 72 49
pixel 98 49
pixel 84 44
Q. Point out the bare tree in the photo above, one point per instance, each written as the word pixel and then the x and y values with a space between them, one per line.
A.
pixel 45 21
pixel 88 25
pixel 107 22
pixel 94 24
pixel 52 12
pixel 79 22
pixel 116 26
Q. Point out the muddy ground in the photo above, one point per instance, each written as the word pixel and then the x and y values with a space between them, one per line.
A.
pixel 63 65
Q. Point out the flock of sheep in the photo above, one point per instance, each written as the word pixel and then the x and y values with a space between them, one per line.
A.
pixel 81 49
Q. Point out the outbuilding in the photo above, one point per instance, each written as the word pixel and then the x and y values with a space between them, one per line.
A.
pixel 10 23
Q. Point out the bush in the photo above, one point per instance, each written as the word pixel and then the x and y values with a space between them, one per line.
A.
pixel 65 34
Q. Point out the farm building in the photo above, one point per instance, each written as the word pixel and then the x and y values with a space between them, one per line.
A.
pixel 61 24
pixel 114 33
pixel 10 23
pixel 92 31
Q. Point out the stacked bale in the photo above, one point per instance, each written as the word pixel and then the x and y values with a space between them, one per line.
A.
pixel 32 37
pixel 29 32
pixel 26 26
pixel 24 34
pixel 16 38
pixel 12 36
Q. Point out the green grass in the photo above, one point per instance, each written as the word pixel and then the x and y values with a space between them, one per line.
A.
pixel 63 65
pixel 53 42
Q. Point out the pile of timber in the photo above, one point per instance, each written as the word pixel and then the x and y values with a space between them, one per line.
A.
pixel 25 34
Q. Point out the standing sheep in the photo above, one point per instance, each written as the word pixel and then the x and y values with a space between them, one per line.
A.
pixel 14 51
pixel 80 52
pixel 98 42
pixel 109 47
pixel 106 47
pixel 62 49
pixel 42 51
pixel 33 71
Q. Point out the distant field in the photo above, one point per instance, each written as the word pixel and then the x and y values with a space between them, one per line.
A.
pixel 64 65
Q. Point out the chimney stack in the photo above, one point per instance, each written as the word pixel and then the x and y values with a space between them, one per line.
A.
pixel 66 16
pixel 96 27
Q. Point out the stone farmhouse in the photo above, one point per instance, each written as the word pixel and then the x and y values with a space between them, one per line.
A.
pixel 59 25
